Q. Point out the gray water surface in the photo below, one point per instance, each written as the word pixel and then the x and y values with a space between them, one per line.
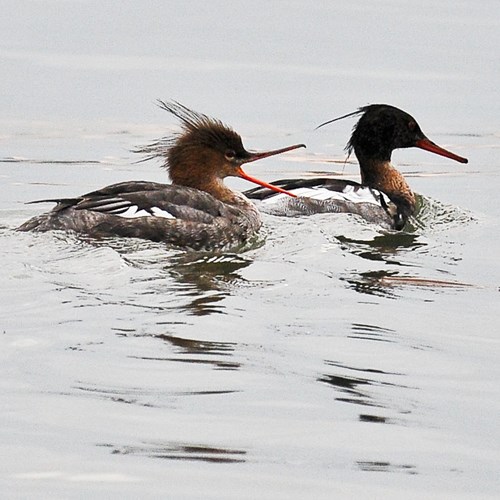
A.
pixel 330 359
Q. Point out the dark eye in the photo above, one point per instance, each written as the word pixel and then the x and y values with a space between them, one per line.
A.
pixel 412 125
pixel 230 154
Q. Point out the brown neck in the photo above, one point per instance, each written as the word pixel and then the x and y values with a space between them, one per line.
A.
pixel 212 185
pixel 383 176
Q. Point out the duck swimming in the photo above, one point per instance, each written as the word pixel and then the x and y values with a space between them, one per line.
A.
pixel 383 197
pixel 196 211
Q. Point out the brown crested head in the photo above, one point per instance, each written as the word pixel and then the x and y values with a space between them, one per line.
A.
pixel 204 152
pixel 204 147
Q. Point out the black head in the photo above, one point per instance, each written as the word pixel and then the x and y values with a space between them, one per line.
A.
pixel 383 128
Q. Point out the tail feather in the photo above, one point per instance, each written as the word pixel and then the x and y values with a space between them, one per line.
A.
pixel 60 201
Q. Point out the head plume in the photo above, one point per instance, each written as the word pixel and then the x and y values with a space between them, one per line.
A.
pixel 359 111
pixel 198 130
pixel 369 113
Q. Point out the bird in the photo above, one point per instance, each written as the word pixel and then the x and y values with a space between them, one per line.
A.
pixel 196 211
pixel 383 197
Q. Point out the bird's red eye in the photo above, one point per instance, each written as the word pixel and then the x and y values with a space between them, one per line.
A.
pixel 230 154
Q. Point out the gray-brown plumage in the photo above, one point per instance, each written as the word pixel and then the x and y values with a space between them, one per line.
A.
pixel 196 211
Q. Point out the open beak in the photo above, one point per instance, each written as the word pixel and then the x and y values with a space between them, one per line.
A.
pixel 434 148
pixel 265 154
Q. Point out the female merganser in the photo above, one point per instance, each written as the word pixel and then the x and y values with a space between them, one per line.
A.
pixel 196 211
pixel 383 197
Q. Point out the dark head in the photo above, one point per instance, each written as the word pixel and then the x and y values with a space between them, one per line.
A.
pixel 380 130
pixel 205 151
pixel 383 128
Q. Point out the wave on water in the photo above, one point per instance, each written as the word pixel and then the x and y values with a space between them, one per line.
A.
pixel 433 216
pixel 378 262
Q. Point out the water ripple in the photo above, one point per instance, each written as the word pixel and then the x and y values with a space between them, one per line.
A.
pixel 197 351
pixel 358 386
pixel 180 451
pixel 382 466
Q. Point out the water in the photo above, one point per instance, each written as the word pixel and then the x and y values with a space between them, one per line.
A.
pixel 330 359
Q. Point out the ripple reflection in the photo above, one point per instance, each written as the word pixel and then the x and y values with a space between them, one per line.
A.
pixel 207 280
pixel 388 283
pixel 382 248
pixel 197 351
pixel 370 332
pixel 180 451
pixel 140 396
pixel 381 466
pixel 358 386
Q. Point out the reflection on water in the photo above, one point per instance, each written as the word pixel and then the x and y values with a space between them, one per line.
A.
pixel 370 332
pixel 423 236
pixel 141 396
pixel 180 451
pixel 387 283
pixel 370 283
pixel 127 395
pixel 50 162
pixel 384 248
pixel 198 351
pixel 151 276
pixel 423 282
pixel 376 466
pixel 377 419
pixel 201 280
pixel 207 273
pixel 203 306
pixel 349 387
pixel 356 389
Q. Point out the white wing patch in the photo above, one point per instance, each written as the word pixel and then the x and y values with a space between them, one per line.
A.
pixel 134 211
pixel 349 193
pixel 158 212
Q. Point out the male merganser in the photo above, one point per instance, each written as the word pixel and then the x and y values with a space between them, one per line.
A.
pixel 197 211
pixel 383 196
